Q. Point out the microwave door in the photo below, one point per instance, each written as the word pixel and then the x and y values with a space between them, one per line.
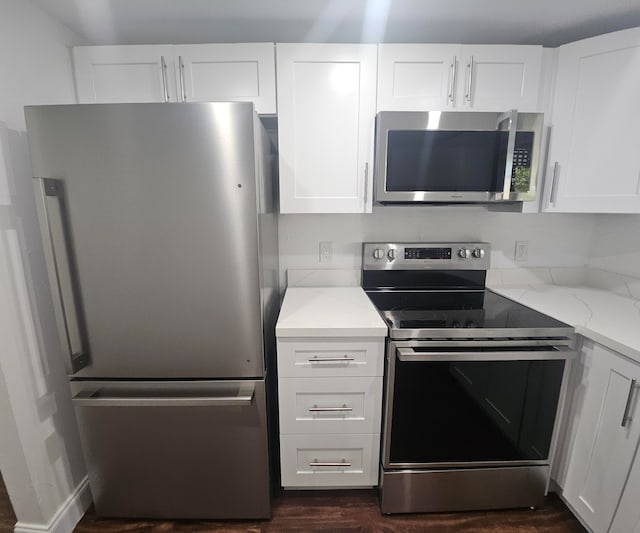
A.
pixel 461 157
pixel 445 165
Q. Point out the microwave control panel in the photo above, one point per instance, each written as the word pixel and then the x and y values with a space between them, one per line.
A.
pixel 521 170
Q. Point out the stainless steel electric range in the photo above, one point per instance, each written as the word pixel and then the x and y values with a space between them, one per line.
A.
pixel 474 382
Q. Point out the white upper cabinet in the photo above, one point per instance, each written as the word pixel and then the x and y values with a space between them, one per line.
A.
pixel 417 77
pixel 326 110
pixel 594 161
pixel 182 73
pixel 606 414
pixel 427 77
pixel 227 72
pixel 110 74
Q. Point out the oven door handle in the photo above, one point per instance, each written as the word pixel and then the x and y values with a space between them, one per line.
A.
pixel 561 352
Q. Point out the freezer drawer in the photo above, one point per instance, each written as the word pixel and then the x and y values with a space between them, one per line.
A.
pixel 175 449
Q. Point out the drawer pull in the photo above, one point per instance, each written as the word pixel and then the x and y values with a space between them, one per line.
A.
pixel 315 462
pixel 316 409
pixel 316 359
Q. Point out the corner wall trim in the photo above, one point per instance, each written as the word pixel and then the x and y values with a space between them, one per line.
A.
pixel 66 517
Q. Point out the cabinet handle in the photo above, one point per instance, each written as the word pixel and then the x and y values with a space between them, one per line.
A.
pixel 554 183
pixel 625 417
pixel 163 67
pixel 182 88
pixel 452 82
pixel 366 184
pixel 317 463
pixel 467 96
pixel 316 409
pixel 317 359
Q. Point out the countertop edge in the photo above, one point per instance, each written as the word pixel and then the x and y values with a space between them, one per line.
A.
pixel 582 329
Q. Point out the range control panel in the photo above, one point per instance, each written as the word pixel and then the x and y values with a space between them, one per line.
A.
pixel 423 256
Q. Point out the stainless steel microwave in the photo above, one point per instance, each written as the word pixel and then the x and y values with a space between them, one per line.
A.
pixel 456 157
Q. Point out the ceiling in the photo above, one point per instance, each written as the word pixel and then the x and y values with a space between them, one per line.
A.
pixel 546 22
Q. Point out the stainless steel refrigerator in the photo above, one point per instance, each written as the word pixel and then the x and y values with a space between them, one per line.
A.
pixel 160 234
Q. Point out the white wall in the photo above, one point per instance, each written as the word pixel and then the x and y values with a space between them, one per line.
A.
pixel 616 244
pixel 554 239
pixel 40 456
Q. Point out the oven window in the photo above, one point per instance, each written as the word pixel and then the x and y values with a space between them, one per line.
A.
pixel 474 410
pixel 435 160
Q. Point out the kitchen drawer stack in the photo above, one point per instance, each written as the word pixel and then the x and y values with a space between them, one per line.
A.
pixel 329 393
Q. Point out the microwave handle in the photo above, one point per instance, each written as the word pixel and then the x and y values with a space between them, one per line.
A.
pixel 512 117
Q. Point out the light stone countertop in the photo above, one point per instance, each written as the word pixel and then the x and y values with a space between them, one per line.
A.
pixel 328 312
pixel 603 316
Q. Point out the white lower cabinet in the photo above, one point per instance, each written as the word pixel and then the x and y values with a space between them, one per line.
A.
pixel 330 411
pixel 337 405
pixel 627 517
pixel 606 421
pixel 339 460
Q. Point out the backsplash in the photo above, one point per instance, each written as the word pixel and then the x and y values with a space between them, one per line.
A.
pixel 556 240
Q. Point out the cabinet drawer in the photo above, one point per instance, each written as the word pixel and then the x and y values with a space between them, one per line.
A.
pixel 338 405
pixel 329 460
pixel 328 358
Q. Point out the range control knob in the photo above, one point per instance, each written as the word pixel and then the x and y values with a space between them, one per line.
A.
pixel 464 253
pixel 378 253
pixel 391 254
pixel 478 253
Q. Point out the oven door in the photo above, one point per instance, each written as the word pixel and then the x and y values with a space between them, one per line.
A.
pixel 472 403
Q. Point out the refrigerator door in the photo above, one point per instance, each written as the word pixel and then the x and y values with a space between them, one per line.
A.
pixel 155 205
pixel 192 449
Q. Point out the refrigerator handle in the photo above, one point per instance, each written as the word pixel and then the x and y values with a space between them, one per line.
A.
pixel 51 213
pixel 106 397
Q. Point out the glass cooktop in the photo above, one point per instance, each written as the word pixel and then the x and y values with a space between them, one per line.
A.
pixel 473 309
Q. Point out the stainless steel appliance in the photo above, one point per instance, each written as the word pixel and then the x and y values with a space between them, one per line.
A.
pixel 159 228
pixel 474 382
pixel 456 157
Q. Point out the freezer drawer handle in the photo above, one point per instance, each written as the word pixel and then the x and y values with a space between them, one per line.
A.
pixel 315 462
pixel 102 398
pixel 316 409
pixel 316 359
pixel 409 354
pixel 50 201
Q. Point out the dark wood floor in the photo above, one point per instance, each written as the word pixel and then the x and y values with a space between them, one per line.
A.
pixel 355 511
pixel 7 516
pixel 337 512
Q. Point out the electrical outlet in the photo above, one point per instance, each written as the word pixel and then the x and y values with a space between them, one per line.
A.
pixel 522 251
pixel 324 251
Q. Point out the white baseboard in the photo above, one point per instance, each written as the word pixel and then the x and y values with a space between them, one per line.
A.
pixel 66 517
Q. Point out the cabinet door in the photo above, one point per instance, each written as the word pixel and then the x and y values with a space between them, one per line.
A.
pixel 427 77
pixel 603 447
pixel 594 157
pixel 326 108
pixel 627 518
pixel 227 72
pixel 417 77
pixel 500 77
pixel 108 74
